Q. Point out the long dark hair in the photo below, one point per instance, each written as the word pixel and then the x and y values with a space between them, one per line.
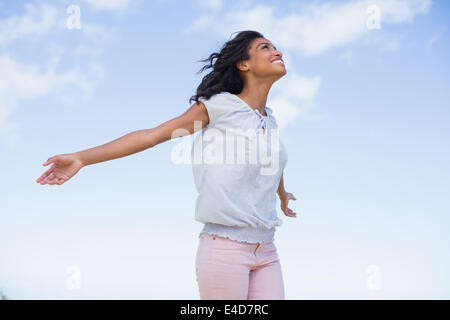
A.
pixel 225 75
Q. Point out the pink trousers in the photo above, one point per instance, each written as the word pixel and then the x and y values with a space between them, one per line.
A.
pixel 230 270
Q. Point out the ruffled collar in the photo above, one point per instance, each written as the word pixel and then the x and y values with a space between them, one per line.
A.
pixel 262 124
pixel 268 110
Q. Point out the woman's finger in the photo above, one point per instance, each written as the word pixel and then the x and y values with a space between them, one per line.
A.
pixel 53 180
pixel 43 178
pixel 50 160
pixel 45 174
pixel 48 179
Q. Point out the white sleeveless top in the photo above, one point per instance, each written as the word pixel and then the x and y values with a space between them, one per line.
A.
pixel 237 161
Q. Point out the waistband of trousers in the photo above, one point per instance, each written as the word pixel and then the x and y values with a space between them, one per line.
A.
pixel 246 234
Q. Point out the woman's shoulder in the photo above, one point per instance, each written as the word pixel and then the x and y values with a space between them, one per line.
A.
pixel 221 102
pixel 220 97
pixel 219 105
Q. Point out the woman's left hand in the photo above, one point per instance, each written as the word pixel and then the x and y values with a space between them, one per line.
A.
pixel 284 199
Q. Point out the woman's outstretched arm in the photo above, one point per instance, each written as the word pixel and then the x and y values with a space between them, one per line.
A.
pixel 65 166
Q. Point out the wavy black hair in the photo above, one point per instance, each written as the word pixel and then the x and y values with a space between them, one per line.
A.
pixel 225 75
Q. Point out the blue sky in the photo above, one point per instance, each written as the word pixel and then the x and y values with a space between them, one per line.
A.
pixel 363 111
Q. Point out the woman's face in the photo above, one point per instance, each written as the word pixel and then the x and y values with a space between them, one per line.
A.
pixel 264 60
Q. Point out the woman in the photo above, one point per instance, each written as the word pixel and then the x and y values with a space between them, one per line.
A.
pixel 236 256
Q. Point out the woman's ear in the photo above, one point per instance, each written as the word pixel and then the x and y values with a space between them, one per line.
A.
pixel 242 66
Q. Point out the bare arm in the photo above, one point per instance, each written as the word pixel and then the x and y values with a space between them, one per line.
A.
pixel 281 191
pixel 140 140
pixel 284 199
pixel 67 165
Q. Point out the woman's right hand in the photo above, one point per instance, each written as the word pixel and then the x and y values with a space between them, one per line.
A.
pixel 64 167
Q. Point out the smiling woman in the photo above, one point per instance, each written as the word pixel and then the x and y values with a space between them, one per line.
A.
pixel 237 257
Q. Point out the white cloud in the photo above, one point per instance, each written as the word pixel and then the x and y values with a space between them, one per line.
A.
pixel 98 34
pixel 399 11
pixel 201 22
pixel 437 35
pixel 83 50
pixel 20 82
pixel 109 5
pixel 43 19
pixel 385 42
pixel 213 5
pixel 295 98
pixel 36 21
pixel 316 27
pixel 312 30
